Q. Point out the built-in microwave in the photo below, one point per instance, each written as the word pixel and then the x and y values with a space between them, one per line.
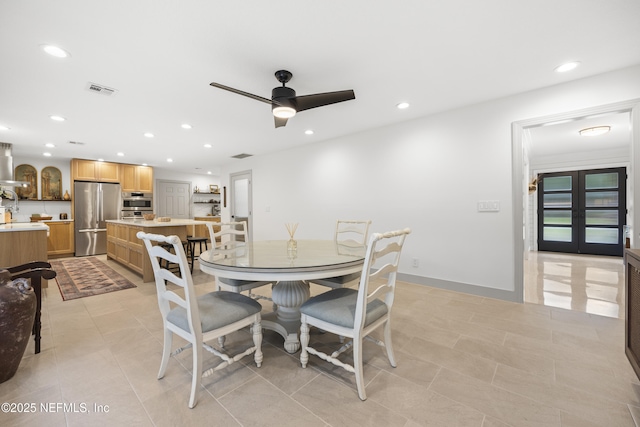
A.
pixel 135 201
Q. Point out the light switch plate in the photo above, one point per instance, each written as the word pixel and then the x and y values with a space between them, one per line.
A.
pixel 489 206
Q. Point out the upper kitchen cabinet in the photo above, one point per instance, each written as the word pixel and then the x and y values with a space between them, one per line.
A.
pixel 136 178
pixel 91 170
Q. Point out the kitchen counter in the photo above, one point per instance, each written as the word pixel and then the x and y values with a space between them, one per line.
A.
pixel 23 226
pixel 155 223
pixel 124 247
pixel 23 242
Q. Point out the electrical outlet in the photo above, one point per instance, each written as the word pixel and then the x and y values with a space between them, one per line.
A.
pixel 416 262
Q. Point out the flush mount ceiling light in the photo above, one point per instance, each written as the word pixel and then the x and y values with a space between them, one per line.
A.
pixel 567 67
pixel 49 145
pixel 120 154
pixel 207 145
pixel 402 105
pixel 185 126
pixel 148 135
pixel 55 51
pixel 4 127
pixel 308 132
pixel 169 160
pixel 46 154
pixel 57 118
pixel 595 131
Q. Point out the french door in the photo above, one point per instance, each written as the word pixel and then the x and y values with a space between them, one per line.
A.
pixel 582 211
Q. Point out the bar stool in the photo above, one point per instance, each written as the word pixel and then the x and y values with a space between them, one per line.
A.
pixel 169 247
pixel 191 248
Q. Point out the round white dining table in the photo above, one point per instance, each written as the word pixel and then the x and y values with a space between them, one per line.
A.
pixel 289 267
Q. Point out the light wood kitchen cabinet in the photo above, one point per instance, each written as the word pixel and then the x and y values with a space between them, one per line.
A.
pixel 123 246
pixel 91 170
pixel 136 178
pixel 60 241
pixel 203 230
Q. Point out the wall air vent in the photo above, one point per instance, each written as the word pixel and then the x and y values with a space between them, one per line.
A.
pixel 76 143
pixel 241 156
pixel 101 89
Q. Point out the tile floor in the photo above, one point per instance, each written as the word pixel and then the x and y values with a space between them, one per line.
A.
pixel 462 361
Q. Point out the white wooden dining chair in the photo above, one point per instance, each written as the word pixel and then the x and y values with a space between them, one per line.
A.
pixel 355 313
pixel 222 242
pixel 198 319
pixel 348 235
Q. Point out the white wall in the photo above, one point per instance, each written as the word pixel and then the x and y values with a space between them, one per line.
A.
pixel 427 174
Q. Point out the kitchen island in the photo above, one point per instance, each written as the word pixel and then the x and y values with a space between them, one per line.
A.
pixel 125 248
pixel 22 242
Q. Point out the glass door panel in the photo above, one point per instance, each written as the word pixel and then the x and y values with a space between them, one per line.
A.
pixel 582 211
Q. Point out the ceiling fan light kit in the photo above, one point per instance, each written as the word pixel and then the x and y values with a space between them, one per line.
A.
pixel 284 102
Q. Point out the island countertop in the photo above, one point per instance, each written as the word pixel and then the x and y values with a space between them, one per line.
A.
pixel 23 226
pixel 155 223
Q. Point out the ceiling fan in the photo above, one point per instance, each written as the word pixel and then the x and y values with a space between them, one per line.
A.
pixel 284 102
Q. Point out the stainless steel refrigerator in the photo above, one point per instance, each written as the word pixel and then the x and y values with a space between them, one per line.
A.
pixel 94 203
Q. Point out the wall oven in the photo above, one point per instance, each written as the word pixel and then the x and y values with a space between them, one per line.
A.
pixel 136 204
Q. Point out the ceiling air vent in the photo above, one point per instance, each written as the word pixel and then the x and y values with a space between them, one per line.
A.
pixel 101 89
pixel 241 156
pixel 76 142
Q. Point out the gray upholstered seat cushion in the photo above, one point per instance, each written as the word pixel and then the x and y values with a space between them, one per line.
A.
pixel 338 306
pixel 340 280
pixel 217 309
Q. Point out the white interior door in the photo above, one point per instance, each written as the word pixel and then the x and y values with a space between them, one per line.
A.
pixel 240 199
pixel 173 199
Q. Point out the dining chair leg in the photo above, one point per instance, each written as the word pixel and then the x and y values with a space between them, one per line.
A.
pixel 388 343
pixel 166 353
pixel 196 373
pixel 357 364
pixel 304 342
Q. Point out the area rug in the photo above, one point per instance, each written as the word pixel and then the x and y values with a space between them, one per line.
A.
pixel 87 276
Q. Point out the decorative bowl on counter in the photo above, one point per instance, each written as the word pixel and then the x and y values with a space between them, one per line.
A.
pixel 149 217
pixel 164 219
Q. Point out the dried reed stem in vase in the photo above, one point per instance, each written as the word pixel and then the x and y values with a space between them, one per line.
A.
pixel 291 228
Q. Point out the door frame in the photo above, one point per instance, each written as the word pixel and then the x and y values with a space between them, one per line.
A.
pixel 232 197
pixel 519 177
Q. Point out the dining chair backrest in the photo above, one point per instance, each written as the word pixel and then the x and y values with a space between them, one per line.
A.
pixel 162 275
pixel 379 272
pixel 352 232
pixel 234 231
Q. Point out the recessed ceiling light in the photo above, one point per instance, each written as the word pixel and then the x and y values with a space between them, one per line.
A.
pixel 101 160
pixel 169 160
pixel 308 132
pixel 57 118
pixel 149 135
pixel 567 67
pixel 120 154
pixel 207 145
pixel 145 164
pixel 49 145
pixel 595 131
pixel 403 105
pixel 4 127
pixel 185 126
pixel 208 172
pixel 55 51
pixel 46 154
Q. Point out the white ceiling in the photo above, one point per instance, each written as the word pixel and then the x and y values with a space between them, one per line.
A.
pixel 564 138
pixel 160 56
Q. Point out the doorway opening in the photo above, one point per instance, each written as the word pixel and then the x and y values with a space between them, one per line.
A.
pixel 524 228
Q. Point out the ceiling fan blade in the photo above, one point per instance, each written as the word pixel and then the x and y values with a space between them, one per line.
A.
pixel 279 122
pixel 239 92
pixel 307 102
